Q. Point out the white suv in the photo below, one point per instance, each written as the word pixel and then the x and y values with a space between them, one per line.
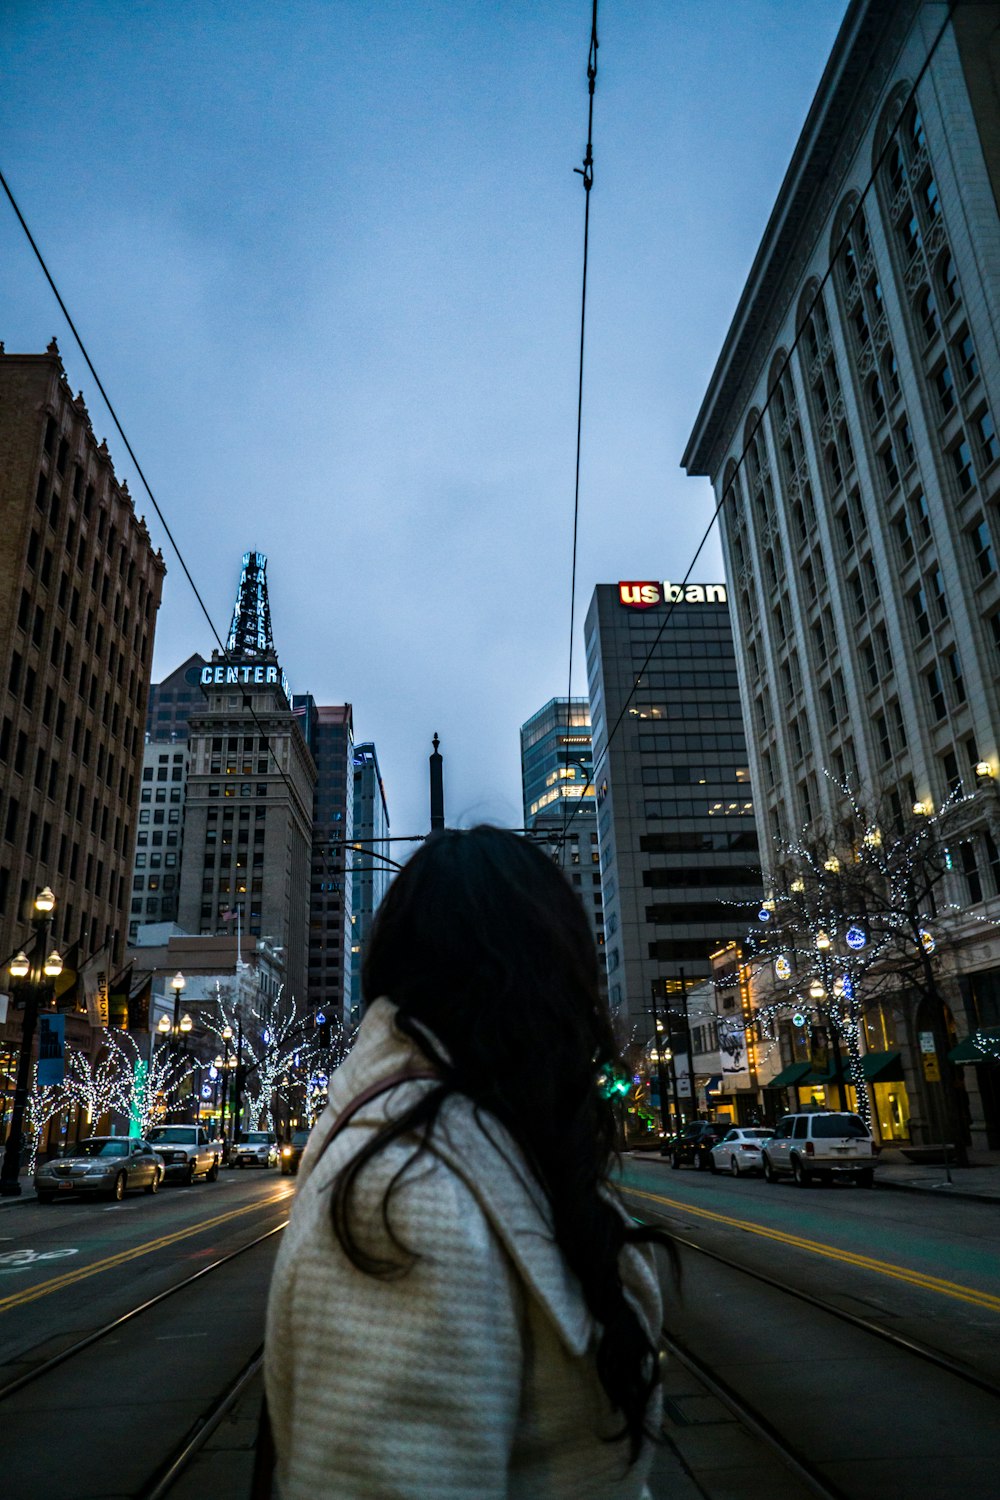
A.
pixel 824 1143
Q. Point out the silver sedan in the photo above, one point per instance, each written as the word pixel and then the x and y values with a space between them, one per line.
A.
pixel 739 1150
pixel 106 1164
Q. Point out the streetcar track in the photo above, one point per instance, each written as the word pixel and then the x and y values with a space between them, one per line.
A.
pixel 167 1473
pixel 890 1336
pixel 97 1334
pixel 751 1419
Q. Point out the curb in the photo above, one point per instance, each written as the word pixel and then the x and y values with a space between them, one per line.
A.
pixel 943 1191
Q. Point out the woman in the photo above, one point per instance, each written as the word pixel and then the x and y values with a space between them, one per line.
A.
pixel 460 1307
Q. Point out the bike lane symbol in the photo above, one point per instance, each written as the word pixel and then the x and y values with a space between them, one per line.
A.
pixel 12 1261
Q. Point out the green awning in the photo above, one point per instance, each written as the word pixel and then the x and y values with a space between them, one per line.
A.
pixel 794 1073
pixel 882 1067
pixel 968 1052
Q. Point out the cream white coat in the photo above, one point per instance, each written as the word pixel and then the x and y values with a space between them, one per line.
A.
pixel 472 1376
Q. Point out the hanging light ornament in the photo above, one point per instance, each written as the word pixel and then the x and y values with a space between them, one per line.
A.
pixel 927 941
pixel 782 967
pixel 798 1019
pixel 797 887
pixel 832 864
pixel 854 937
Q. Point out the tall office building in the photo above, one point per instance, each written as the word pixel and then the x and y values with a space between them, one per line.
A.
pixel 850 428
pixel 677 838
pixel 77 614
pixel 329 733
pixel 558 796
pixel 370 874
pixel 249 800
pixel 159 839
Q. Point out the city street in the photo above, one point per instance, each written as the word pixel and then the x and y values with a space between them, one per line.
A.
pixel 122 1406
pixel 867 1415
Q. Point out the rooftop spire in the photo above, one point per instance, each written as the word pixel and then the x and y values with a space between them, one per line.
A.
pixel 250 631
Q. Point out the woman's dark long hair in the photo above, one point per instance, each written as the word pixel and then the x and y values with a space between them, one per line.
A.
pixel 482 940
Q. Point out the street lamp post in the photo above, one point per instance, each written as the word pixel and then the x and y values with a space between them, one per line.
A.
pixel 32 972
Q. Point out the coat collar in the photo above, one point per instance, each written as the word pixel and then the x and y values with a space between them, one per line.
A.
pixel 479 1151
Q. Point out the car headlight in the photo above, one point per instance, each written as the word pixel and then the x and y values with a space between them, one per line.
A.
pixel 286 1150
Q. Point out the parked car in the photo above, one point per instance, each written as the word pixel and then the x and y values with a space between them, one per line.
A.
pixel 825 1143
pixel 106 1164
pixel 258 1148
pixel 740 1150
pixel 694 1144
pixel 291 1153
pixel 187 1152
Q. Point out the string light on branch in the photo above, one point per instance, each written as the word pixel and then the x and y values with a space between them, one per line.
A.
pixel 832 864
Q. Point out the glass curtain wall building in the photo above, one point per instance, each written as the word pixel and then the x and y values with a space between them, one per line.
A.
pixel 558 795
pixel 677 839
pixel 370 875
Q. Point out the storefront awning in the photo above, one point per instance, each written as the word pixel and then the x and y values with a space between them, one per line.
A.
pixel 794 1073
pixel 968 1052
pixel 882 1067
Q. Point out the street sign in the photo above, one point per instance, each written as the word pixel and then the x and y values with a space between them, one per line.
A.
pixel 932 1068
pixel 927 1041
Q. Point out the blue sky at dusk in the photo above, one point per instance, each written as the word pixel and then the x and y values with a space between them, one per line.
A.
pixel 327 259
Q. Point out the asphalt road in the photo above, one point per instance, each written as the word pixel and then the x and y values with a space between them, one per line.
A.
pixel 931 1268
pixel 69 1266
pixel 872 1419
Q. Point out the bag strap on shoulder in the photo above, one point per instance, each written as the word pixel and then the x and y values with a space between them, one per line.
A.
pixel 380 1086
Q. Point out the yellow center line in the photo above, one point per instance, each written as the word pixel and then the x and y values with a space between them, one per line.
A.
pixel 70 1278
pixel 847 1257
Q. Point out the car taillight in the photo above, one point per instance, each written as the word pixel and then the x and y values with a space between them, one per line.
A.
pixel 810 1149
pixel 745 1146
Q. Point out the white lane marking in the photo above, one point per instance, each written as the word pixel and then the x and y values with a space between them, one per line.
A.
pixel 162 1338
pixel 22 1260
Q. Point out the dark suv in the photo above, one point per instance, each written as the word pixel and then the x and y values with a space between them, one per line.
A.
pixel 694 1144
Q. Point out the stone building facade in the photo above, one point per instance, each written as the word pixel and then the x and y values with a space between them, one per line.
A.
pixel 81 588
pixel 849 430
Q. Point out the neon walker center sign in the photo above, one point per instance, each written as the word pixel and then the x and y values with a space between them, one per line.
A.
pixel 245 673
pixel 646 595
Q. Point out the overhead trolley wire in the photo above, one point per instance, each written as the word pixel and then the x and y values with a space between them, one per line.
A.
pixel 730 489
pixel 587 173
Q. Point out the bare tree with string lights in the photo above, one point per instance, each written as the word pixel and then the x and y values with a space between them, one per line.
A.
pixel 858 915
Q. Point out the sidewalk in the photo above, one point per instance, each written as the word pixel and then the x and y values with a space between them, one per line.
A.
pixel 977 1183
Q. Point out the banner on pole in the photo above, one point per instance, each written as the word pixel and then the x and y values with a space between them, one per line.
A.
pixel 95 987
pixel 51 1058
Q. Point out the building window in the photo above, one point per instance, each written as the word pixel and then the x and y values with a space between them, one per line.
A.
pixel 935 692
pixel 927 312
pixel 982 549
pixel 965 474
pixel 988 444
pixel 955 672
pixel 967 362
pixel 944 384
pixel 970 869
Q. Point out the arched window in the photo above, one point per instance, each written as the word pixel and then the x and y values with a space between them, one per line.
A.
pixel 876 400
pixel 915 129
pixel 948 279
pixel 833 468
pixel 927 312
pixel 890 370
pixel 896 169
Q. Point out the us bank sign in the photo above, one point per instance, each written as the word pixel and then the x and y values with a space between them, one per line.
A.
pixel 645 595
pixel 248 673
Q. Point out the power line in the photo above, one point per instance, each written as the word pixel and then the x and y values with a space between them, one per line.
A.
pixel 247 700
pixel 587 173
pixel 730 489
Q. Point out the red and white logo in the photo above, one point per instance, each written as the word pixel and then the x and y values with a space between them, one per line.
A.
pixel 639 595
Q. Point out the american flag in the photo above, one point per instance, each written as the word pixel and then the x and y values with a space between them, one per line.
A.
pixel 228 916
